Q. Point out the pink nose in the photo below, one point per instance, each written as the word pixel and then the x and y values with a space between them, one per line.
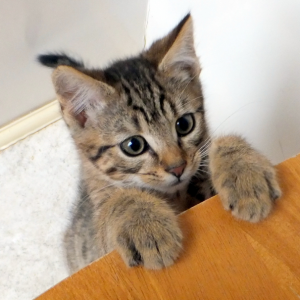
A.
pixel 178 170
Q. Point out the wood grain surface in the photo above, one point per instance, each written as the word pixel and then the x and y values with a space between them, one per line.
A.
pixel 223 258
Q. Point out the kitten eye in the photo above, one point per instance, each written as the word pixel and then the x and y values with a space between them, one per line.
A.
pixel 185 124
pixel 134 146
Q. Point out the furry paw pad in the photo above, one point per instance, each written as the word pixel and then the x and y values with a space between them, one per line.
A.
pixel 244 178
pixel 150 236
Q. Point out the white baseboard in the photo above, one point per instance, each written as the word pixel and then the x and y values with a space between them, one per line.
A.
pixel 29 124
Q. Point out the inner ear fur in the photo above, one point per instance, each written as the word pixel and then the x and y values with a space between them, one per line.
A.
pixel 78 92
pixel 175 54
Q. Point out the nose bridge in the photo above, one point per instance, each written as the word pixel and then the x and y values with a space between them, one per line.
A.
pixel 172 157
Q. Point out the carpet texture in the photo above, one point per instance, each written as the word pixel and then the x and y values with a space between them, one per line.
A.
pixel 38 180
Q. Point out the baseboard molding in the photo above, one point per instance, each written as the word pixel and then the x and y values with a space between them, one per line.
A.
pixel 29 124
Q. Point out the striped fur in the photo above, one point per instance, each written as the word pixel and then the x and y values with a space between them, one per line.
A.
pixel 129 203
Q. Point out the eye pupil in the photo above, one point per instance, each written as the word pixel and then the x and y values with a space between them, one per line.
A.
pixel 185 124
pixel 134 144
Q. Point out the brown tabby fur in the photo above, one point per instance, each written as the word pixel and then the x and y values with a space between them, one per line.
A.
pixel 130 203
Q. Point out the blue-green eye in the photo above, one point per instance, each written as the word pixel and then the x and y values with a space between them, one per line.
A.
pixel 134 145
pixel 185 124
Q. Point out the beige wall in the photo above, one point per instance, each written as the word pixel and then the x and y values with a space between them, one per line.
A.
pixel 96 30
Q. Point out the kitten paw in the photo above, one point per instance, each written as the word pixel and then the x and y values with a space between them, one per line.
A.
pixel 244 178
pixel 148 235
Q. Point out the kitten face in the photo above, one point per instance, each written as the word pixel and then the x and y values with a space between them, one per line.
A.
pixel 140 121
pixel 151 125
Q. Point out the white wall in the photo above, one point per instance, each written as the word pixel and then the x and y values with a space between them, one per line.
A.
pixel 250 56
pixel 96 30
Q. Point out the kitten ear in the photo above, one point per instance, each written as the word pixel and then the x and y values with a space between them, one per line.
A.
pixel 181 59
pixel 175 54
pixel 77 92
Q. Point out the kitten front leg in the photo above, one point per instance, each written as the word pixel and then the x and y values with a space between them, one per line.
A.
pixel 142 228
pixel 244 178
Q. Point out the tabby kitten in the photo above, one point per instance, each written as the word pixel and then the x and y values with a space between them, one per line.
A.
pixel 139 126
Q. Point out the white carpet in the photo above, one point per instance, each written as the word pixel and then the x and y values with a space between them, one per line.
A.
pixel 38 179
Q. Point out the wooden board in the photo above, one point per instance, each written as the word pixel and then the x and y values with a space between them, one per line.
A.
pixel 223 258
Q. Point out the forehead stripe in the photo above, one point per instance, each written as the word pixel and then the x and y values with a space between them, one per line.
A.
pixel 136 123
pixel 161 103
pixel 127 91
pixel 141 109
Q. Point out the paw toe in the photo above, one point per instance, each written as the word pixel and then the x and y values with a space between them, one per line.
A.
pixel 135 259
pixel 253 209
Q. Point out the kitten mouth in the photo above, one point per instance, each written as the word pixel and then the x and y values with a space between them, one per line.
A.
pixel 178 182
pixel 182 180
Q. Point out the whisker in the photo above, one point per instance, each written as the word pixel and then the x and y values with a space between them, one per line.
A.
pixel 235 112
pixel 206 143
pixel 183 105
pixel 187 85
pixel 202 171
pixel 203 165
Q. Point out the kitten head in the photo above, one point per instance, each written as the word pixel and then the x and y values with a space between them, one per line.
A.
pixel 140 121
